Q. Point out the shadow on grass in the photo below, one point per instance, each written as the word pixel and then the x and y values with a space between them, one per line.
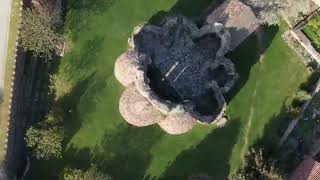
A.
pixel 209 158
pixel 72 122
pixel 284 159
pixel 248 53
pixel 195 10
pixel 81 14
pixel 123 153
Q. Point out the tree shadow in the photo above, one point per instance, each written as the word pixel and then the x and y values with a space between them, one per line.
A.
pixel 83 91
pixel 209 158
pixel 72 122
pixel 311 83
pixel 123 152
pixel 81 14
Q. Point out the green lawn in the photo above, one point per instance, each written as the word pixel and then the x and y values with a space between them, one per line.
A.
pixel 96 131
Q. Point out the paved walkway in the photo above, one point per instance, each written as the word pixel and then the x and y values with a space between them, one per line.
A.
pixel 5 10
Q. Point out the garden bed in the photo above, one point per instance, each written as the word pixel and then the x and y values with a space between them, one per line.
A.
pixel 312 31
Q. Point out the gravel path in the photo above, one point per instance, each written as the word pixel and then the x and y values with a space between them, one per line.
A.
pixel 5 10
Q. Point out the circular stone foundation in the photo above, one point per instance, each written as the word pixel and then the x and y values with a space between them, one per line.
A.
pixel 177 74
pixel 137 110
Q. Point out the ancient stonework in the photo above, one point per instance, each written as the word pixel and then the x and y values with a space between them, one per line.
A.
pixel 176 75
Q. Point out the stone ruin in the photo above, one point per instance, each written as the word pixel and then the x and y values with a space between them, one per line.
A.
pixel 176 75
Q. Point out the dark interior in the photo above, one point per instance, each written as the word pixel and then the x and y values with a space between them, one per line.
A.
pixel 220 75
pixel 208 42
pixel 161 86
pixel 206 104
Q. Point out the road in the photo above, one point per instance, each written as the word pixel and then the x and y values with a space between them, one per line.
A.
pixel 5 10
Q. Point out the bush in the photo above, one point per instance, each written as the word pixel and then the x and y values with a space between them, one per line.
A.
pixel 91 174
pixel 45 143
pixel 38 35
pixel 257 166
pixel 59 86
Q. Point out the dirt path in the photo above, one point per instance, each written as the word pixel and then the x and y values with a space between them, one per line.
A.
pixel 247 133
pixel 5 10
pixel 254 108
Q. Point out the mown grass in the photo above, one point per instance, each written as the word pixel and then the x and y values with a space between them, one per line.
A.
pixel 13 37
pixel 97 133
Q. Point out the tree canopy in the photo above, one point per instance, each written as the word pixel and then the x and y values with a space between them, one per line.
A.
pixel 38 34
pixel 45 143
pixel 257 166
pixel 92 173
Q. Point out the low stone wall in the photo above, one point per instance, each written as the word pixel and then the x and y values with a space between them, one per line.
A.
pixel 306 43
pixel 299 49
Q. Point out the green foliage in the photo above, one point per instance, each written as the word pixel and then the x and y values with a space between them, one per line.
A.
pixel 45 143
pixel 257 166
pixel 303 95
pixel 37 34
pixel 59 86
pixel 54 118
pixel 315 22
pixel 91 174
pixel 312 30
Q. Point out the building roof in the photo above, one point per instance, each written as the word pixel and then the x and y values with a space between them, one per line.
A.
pixel 309 169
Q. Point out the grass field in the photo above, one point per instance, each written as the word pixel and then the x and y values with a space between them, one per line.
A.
pixel 13 37
pixel 270 75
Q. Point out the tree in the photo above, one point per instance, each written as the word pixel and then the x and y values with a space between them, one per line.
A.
pixel 303 96
pixel 257 167
pixel 38 34
pixel 45 143
pixel 91 174
pixel 59 86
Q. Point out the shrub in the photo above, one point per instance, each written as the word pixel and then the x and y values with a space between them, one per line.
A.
pixel 92 173
pixel 38 35
pixel 45 143
pixel 59 86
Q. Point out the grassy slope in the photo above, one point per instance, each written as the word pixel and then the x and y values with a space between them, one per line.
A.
pixel 13 36
pixel 99 134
